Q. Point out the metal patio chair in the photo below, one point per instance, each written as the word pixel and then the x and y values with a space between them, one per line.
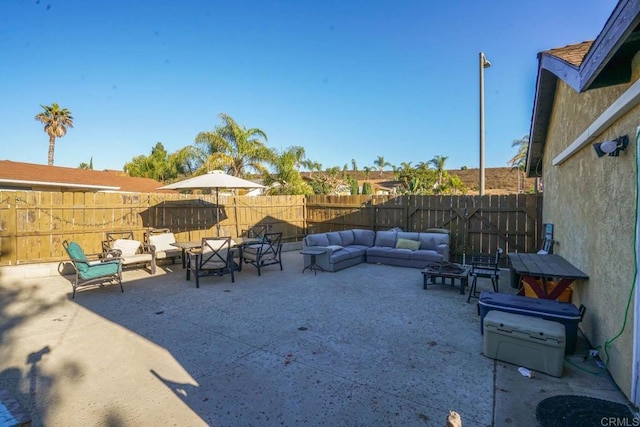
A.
pixel 486 266
pixel 262 254
pixel 214 257
pixel 92 268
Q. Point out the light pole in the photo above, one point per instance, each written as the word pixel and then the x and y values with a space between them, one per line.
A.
pixel 484 63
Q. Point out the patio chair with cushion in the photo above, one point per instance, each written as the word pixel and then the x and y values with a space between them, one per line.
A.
pixel 160 241
pixel 255 232
pixel 92 268
pixel 215 257
pixel 132 252
pixel 486 266
pixel 267 253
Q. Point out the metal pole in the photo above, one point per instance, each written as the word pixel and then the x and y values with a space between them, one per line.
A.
pixel 483 64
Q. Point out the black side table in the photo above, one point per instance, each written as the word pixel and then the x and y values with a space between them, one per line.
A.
pixel 312 266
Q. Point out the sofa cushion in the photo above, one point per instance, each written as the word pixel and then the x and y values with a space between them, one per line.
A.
pixel 128 247
pixel 317 240
pixel 379 251
pixel 426 256
pixel 355 251
pixel 399 253
pixel 162 242
pixel 429 241
pixel 409 235
pixel 363 237
pixel 334 238
pixel 334 248
pixel 386 239
pixel 340 256
pixel 358 248
pixel 407 244
pixel 433 240
pixel 347 237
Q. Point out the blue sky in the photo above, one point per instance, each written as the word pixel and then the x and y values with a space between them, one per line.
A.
pixel 345 79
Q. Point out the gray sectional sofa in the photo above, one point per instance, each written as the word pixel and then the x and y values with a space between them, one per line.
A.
pixel 342 249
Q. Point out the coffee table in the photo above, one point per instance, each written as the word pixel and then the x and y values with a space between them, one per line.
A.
pixel 446 270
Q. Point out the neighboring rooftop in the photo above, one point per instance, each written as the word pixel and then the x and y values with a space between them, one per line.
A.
pixel 31 176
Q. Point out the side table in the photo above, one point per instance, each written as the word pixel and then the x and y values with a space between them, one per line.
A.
pixel 312 261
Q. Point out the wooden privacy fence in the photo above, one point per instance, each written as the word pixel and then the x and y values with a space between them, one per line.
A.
pixel 478 224
pixel 34 224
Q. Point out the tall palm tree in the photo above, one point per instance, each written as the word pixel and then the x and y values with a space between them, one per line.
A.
pixel 380 163
pixel 438 163
pixel 56 121
pixel 519 161
pixel 235 148
pixel 299 155
pixel 354 165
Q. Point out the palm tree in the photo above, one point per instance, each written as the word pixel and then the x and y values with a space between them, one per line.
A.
pixel 354 165
pixel 380 163
pixel 422 166
pixel 236 149
pixel 299 155
pixel 519 161
pixel 86 166
pixel 438 162
pixel 286 175
pixel 367 171
pixel 56 121
pixel 405 166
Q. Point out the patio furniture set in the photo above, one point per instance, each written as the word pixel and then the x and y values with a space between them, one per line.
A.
pixel 209 256
pixel 336 250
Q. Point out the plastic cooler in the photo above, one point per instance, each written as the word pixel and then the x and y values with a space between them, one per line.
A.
pixel 527 341
pixel 563 312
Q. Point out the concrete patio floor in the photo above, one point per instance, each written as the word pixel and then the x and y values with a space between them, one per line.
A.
pixel 363 346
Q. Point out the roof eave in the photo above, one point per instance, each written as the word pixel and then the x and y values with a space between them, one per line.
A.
pixel 56 184
pixel 619 27
pixel 623 21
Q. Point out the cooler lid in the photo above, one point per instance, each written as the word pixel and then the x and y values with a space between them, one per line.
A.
pixel 523 305
pixel 527 327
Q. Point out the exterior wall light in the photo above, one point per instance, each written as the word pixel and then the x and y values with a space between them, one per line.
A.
pixel 612 147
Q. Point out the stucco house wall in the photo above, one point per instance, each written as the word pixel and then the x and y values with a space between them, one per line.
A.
pixel 591 202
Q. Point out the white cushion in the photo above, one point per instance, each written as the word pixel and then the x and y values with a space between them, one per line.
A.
pixel 163 241
pixel 214 244
pixel 128 247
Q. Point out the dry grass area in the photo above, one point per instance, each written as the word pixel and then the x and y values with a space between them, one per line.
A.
pixel 496 180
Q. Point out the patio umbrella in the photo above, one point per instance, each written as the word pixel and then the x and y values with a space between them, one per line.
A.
pixel 215 179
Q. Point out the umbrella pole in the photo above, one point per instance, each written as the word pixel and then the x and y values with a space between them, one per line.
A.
pixel 217 215
pixel 235 212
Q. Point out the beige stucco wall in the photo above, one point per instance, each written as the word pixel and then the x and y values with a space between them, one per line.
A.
pixel 591 202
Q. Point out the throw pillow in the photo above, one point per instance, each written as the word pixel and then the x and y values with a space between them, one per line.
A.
pixel 128 247
pixel 414 245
